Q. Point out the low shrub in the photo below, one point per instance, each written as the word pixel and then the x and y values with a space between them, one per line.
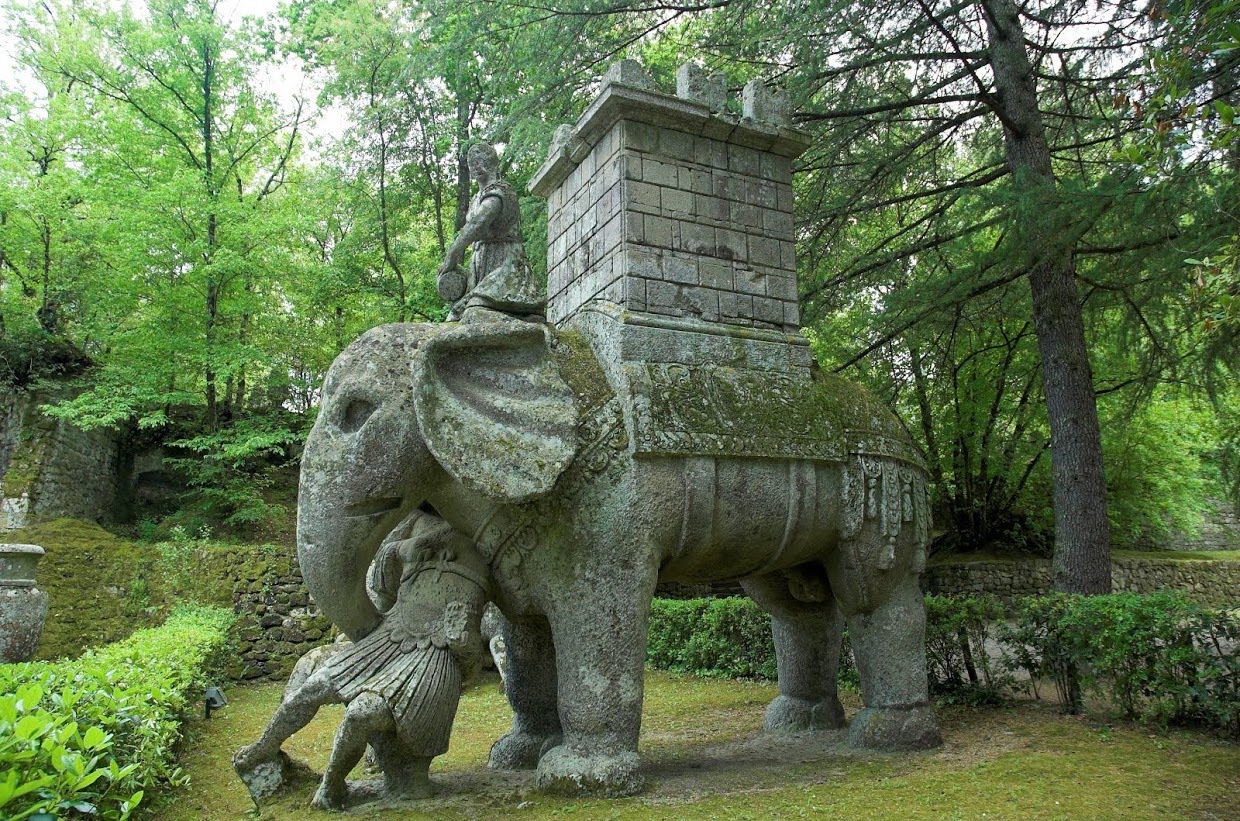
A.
pixel 87 738
pixel 958 664
pixel 719 637
pixel 1159 658
pixel 725 637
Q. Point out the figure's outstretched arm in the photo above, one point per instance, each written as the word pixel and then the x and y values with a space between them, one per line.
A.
pixel 486 211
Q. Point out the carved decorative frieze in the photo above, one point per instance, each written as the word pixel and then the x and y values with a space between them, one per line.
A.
pixel 710 410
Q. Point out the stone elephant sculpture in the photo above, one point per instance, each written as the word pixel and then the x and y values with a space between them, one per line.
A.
pixel 511 432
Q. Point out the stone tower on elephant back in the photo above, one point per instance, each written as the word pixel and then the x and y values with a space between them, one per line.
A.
pixel 671 247
pixel 670 229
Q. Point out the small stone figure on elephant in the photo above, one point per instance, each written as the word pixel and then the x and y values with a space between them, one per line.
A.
pixel 500 280
pixel 401 680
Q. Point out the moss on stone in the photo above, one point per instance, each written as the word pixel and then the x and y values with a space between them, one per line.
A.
pixel 100 587
pixel 851 407
pixel 575 360
pixel 23 469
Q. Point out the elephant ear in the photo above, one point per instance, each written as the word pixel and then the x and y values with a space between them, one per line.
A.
pixel 493 408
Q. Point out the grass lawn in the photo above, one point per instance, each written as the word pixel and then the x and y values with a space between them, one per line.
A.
pixel 706 758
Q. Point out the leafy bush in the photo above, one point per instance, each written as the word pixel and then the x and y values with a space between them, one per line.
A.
pixel 959 668
pixel 719 637
pixel 1159 658
pixel 1040 643
pixel 727 637
pixel 88 737
pixel 228 469
pixel 29 354
pixel 1161 468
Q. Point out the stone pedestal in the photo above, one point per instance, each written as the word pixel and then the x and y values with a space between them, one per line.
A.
pixel 23 607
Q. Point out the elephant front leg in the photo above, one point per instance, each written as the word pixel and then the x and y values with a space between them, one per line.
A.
pixel 808 629
pixel 600 638
pixel 530 685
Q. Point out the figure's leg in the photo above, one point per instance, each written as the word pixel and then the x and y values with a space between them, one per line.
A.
pixel 405 775
pixel 600 636
pixel 886 616
pixel 530 684
pixel 296 712
pixel 367 716
pixel 808 635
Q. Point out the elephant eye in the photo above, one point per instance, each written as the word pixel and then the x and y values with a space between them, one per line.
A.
pixel 355 415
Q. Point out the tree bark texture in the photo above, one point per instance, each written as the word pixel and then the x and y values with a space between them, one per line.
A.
pixel 1082 560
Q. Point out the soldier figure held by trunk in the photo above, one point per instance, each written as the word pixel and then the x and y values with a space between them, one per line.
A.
pixel 402 682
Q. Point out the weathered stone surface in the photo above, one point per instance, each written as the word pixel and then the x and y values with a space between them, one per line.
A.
pixel 401 681
pixel 499 276
pixel 23 611
pixel 858 515
pixel 653 212
pixel 1214 582
pixel 668 429
pixel 50 468
pixel 766 104
pixel 695 84
pixel 23 607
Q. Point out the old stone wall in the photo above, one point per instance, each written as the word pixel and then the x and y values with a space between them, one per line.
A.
pixel 50 468
pixel 1220 530
pixel 1207 582
pixel 277 622
pixel 101 588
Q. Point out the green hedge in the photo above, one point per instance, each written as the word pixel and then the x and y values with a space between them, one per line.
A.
pixel 86 738
pixel 1158 658
pixel 718 637
pixel 959 632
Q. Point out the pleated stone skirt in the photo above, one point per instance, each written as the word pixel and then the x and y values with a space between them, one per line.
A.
pixel 421 686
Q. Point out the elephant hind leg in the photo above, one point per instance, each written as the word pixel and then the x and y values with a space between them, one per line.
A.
pixel 531 685
pixel 807 629
pixel 886 616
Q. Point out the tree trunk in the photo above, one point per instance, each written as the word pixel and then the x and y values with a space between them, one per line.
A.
pixel 1082 561
pixel 213 287
pixel 462 165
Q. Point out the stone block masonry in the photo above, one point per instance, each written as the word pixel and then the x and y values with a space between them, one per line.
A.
pixel 665 206
pixel 50 468
pixel 1214 583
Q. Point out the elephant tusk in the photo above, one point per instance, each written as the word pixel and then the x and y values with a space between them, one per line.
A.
pixel 373 507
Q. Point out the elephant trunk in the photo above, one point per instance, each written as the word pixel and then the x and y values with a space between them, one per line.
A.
pixel 336 542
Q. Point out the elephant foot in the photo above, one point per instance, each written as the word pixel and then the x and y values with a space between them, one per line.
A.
pixel 330 797
pixel 788 714
pixel 895 728
pixel 262 775
pixel 563 772
pixel 520 750
pixel 421 789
